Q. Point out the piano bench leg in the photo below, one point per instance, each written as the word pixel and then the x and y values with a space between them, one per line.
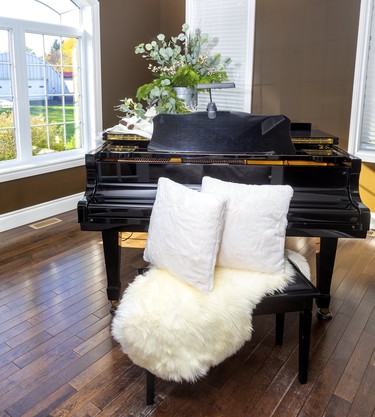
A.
pixel 280 318
pixel 324 314
pixel 150 388
pixel 304 344
pixel 114 305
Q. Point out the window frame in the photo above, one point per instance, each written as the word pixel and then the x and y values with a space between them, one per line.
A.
pixel 366 20
pixel 90 94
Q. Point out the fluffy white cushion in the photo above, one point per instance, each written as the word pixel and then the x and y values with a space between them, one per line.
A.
pixel 255 224
pixel 177 332
pixel 185 232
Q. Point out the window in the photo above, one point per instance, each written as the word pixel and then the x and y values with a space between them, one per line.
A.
pixel 49 85
pixel 362 124
pixel 232 24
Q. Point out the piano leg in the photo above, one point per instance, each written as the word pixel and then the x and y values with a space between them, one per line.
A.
pixel 325 262
pixel 112 256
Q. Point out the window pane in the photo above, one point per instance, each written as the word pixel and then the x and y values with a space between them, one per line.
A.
pixel 72 115
pixel 70 65
pixel 5 80
pixel 34 44
pixel 40 139
pixel 55 109
pixel 7 129
pixel 7 137
pixel 52 50
pixel 53 74
pixel 37 109
pixel 71 81
pixel 69 51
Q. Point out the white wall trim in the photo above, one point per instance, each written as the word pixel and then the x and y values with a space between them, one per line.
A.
pixel 38 212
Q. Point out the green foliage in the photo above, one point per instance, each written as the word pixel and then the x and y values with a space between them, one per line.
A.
pixel 185 59
pixel 182 61
pixel 160 94
pixel 186 77
pixel 39 136
pixel 7 142
pixel 55 115
pixel 129 106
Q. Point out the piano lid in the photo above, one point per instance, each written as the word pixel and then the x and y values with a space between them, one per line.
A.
pixel 229 132
pixel 302 133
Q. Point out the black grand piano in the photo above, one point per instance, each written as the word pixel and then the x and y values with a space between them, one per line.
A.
pixel 122 177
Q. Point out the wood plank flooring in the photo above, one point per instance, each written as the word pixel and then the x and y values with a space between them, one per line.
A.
pixel 57 357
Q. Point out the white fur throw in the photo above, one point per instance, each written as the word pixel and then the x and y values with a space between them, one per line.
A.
pixel 178 332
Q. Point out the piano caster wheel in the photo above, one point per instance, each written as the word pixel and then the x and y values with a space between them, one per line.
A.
pixel 324 314
pixel 114 305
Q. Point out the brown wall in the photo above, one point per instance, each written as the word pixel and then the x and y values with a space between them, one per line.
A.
pixel 38 189
pixel 172 16
pixel 304 65
pixel 304 61
pixel 125 24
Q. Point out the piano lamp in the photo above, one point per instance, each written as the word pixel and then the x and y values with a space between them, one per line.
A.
pixel 211 106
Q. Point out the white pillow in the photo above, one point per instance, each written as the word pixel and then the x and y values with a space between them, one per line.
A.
pixel 185 232
pixel 255 224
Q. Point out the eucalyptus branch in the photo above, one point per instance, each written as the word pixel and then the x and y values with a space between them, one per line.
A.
pixel 184 60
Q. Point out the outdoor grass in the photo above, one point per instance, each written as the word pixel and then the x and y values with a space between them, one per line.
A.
pixel 55 118
pixel 55 115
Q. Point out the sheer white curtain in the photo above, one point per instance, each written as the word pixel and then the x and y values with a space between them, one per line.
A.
pixel 232 22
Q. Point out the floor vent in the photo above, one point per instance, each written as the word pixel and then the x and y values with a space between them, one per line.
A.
pixel 371 233
pixel 45 223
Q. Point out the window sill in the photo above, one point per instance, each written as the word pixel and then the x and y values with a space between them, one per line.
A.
pixel 18 171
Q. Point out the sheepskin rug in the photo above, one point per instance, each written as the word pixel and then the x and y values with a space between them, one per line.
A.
pixel 178 332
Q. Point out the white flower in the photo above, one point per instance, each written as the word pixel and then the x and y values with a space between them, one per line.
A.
pixel 151 112
pixel 131 121
pixel 145 126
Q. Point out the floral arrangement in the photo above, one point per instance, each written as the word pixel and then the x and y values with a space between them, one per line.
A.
pixel 181 61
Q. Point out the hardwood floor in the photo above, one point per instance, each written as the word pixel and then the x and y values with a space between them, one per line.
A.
pixel 57 357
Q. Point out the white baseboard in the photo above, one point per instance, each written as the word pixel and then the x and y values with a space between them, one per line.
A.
pixel 38 212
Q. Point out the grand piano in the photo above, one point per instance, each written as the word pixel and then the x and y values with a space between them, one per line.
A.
pixel 122 175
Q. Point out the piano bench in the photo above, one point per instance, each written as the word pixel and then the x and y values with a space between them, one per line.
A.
pixel 297 296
